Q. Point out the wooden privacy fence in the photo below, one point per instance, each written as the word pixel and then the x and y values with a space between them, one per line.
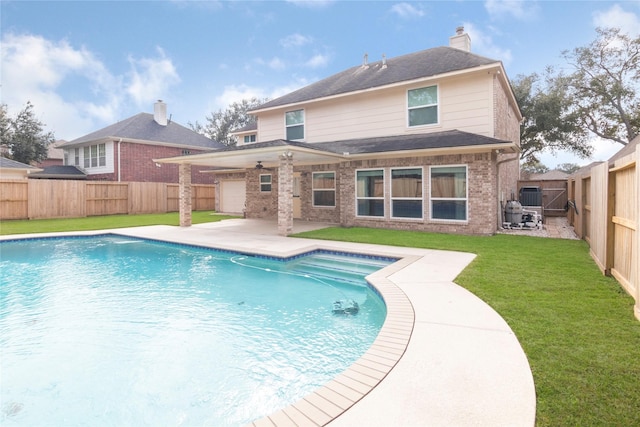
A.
pixel 47 198
pixel 605 212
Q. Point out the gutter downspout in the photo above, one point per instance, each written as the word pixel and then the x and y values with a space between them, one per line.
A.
pixel 500 207
pixel 119 163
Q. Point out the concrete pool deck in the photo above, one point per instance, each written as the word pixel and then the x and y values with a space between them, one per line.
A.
pixel 442 358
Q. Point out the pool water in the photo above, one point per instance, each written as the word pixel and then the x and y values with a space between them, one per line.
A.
pixel 111 330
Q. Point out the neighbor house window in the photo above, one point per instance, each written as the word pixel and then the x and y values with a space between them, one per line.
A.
pixel 406 193
pixel 449 193
pixel 76 156
pixel 370 192
pixel 423 106
pixel 265 183
pixel 294 121
pixel 249 138
pixel 95 156
pixel 324 189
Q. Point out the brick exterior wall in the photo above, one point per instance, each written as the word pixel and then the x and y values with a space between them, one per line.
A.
pixel 137 165
pixel 506 127
pixel 262 204
pixel 482 182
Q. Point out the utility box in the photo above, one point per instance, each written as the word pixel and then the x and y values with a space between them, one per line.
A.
pixel 531 196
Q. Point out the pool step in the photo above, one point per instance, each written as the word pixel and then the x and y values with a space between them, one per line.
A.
pixel 337 267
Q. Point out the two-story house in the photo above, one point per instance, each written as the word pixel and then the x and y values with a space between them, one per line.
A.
pixel 124 151
pixel 425 141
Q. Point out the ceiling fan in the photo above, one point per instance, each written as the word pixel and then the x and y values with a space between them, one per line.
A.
pixel 260 166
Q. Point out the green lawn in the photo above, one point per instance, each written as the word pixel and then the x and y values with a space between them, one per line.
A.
pixel 575 325
pixel 103 222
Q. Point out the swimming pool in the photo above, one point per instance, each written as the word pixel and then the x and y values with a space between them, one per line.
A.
pixel 142 339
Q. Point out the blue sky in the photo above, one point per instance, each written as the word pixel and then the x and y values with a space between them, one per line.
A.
pixel 87 64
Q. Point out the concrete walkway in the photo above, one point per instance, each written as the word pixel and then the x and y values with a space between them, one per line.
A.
pixel 442 358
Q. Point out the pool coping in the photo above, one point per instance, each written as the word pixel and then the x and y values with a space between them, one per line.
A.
pixel 360 395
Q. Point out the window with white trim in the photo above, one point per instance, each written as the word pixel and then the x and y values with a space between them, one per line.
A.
pixel 294 123
pixel 422 105
pixel 406 193
pixel 249 139
pixel 265 183
pixel 95 156
pixel 370 192
pixel 448 193
pixel 323 189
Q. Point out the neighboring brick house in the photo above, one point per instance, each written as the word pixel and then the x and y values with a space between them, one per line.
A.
pixel 54 155
pixel 426 141
pixel 125 150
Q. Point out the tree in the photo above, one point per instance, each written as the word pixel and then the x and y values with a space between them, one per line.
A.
pixel 221 123
pixel 549 122
pixel 23 138
pixel 533 167
pixel 568 167
pixel 605 85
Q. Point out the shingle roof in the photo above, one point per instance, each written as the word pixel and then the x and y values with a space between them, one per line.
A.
pixel 12 164
pixel 143 127
pixel 426 63
pixel 59 171
pixel 445 139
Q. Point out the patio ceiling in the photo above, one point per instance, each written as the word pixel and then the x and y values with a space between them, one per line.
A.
pixel 246 159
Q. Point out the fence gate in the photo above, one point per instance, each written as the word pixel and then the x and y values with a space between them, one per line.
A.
pixel 554 195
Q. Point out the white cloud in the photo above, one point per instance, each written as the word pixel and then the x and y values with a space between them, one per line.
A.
pixel 151 78
pixel 34 68
pixel 407 10
pixel 274 63
pixel 72 91
pixel 295 40
pixel 317 61
pixel 483 44
pixel 316 4
pixel 616 17
pixel 235 93
pixel 518 9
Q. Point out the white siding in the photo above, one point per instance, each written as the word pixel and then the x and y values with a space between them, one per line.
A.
pixel 465 103
pixel 109 161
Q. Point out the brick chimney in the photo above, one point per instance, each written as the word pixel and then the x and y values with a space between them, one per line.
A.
pixel 160 113
pixel 461 40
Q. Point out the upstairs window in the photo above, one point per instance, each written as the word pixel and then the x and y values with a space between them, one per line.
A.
pixel 294 121
pixel 324 189
pixel 423 106
pixel 449 193
pixel 249 139
pixel 265 183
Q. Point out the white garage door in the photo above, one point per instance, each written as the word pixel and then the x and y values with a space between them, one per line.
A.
pixel 232 196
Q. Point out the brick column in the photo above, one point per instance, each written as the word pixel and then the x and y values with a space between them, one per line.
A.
pixel 285 194
pixel 185 194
